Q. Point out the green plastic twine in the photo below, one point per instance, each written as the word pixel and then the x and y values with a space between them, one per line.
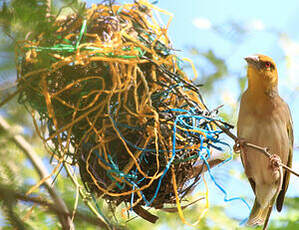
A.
pixel 69 48
pixel 82 31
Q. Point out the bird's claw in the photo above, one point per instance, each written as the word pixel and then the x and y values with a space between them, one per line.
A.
pixel 275 161
pixel 240 143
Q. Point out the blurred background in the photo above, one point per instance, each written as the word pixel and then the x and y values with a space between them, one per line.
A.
pixel 216 35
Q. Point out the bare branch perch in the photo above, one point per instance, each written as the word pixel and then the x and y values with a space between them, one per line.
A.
pixel 263 150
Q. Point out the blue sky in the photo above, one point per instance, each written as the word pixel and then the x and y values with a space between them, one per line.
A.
pixel 275 16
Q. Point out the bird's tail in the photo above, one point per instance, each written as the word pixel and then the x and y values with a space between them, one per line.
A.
pixel 259 216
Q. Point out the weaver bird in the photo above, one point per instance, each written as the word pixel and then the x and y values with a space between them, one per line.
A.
pixel 265 120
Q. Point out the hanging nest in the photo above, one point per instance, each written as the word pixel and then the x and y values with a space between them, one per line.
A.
pixel 111 92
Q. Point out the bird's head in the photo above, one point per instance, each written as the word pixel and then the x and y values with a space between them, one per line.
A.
pixel 261 71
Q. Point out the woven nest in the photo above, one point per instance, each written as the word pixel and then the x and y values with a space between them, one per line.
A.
pixel 114 99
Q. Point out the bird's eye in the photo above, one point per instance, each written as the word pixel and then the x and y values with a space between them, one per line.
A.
pixel 268 64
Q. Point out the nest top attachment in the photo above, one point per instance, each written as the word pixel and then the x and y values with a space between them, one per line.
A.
pixel 111 93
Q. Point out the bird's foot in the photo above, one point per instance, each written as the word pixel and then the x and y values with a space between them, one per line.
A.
pixel 275 161
pixel 240 143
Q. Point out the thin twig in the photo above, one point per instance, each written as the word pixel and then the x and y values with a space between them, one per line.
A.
pixel 9 97
pixel 263 150
pixel 84 197
pixel 65 220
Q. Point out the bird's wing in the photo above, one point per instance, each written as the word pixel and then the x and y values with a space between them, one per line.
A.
pixel 251 181
pixel 286 178
pixel 243 150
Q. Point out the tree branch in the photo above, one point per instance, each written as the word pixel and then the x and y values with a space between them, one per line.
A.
pixel 263 150
pixel 9 97
pixel 10 194
pixel 65 220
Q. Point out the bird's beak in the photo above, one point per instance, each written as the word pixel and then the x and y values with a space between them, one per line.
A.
pixel 252 60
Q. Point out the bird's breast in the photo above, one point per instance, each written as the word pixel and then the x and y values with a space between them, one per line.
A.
pixel 266 130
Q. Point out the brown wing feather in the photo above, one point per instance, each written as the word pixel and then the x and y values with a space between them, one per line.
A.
pixel 286 179
pixel 243 159
pixel 251 181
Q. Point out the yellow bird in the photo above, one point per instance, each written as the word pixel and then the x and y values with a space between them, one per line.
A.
pixel 265 120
